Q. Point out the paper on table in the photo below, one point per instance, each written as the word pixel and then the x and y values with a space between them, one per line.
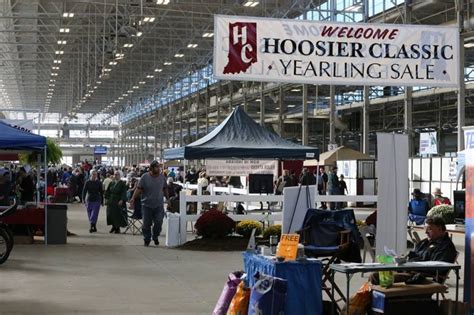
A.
pixel 431 263
pixel 360 264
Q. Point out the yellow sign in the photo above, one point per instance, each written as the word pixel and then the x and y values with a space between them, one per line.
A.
pixel 288 246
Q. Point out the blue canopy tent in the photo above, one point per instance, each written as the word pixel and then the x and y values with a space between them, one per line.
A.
pixel 14 139
pixel 239 136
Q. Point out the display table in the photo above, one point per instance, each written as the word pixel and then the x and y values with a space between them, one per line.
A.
pixel 25 216
pixel 304 295
pixel 350 269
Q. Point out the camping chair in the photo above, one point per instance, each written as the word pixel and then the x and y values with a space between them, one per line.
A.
pixel 134 222
pixel 333 236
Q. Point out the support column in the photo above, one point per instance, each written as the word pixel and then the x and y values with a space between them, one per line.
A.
pixel 198 100
pixel 408 118
pixel 208 104
pixel 245 88
pixel 218 106
pixel 304 120
pixel 173 118
pixel 332 114
pixel 461 108
pixel 262 106
pixel 365 121
pixel 188 122
pixel 181 108
pixel 281 111
pixel 155 143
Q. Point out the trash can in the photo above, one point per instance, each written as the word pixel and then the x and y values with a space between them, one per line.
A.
pixel 172 230
pixel 57 224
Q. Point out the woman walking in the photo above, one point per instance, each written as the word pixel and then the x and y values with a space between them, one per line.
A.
pixel 92 195
pixel 116 196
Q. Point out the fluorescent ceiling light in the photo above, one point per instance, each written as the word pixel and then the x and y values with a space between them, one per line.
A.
pixel 135 87
pixel 251 4
pixel 68 15
pixel 296 90
pixel 208 34
pixel 139 34
pixel 59 52
pixel 141 82
pixel 57 61
pixel 163 2
pixel 62 42
pixel 128 45
pixel 192 45
pixel 150 76
pixel 469 45
pixel 167 63
pixel 113 63
pixel 179 55
pixel 158 70
pixel 64 30
pixel 291 106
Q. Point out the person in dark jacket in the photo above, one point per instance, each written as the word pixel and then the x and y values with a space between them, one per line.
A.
pixel 116 196
pixel 93 198
pixel 307 178
pixel 438 246
pixel 26 186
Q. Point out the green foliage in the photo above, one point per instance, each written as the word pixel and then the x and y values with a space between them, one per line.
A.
pixel 272 230
pixel 54 154
pixel 245 228
pixel 214 224
pixel 446 212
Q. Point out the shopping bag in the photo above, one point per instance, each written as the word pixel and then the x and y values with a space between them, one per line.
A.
pixel 359 302
pixel 227 293
pixel 268 296
pixel 240 302
pixel 386 278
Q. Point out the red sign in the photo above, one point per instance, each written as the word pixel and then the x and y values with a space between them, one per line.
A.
pixel 242 47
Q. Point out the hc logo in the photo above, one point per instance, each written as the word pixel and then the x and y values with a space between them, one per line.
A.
pixel 242 47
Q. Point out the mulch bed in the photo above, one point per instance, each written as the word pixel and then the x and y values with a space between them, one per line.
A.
pixel 227 244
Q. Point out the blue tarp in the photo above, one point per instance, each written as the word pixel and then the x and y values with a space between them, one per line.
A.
pixel 15 139
pixel 239 136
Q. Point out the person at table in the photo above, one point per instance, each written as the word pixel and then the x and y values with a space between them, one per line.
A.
pixel 93 198
pixel 438 246
pixel 5 189
pixel 439 199
pixel 417 207
pixel 26 186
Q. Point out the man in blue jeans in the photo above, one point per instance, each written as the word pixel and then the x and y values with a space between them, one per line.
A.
pixel 152 188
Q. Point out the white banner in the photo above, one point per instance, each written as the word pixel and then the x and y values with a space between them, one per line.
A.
pixel 22 124
pixel 428 143
pixel 241 167
pixel 296 51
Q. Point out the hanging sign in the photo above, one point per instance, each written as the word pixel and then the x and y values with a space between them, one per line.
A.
pixel 241 167
pixel 297 51
pixel 22 124
pixel 428 143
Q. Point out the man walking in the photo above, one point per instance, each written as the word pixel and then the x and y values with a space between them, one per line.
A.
pixel 333 188
pixel 152 188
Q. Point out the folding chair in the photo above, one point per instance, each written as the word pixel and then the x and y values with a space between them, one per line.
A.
pixel 333 235
pixel 134 222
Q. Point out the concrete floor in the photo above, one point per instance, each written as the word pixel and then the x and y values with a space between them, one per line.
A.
pixel 104 273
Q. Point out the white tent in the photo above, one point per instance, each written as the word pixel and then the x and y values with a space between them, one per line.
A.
pixel 339 154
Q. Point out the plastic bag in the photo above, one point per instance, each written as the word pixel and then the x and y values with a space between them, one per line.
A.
pixel 268 296
pixel 359 302
pixel 240 303
pixel 227 293
pixel 386 278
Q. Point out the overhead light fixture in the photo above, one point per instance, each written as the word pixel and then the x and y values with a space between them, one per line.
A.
pixel 59 52
pixel 158 70
pixel 99 82
pixel 192 45
pixel 179 55
pixel 150 76
pixel 291 106
pixel 295 90
pixel 251 4
pixel 124 94
pixel 52 80
pixel 167 63
pixel 55 68
pixel 128 45
pixel 64 30
pixel 208 35
pixel 120 98
pixel 469 45
pixel 139 34
pixel 52 84
pixel 62 42
pixel 57 61
pixel 163 2
pixel 54 74
pixel 113 63
pixel 107 69
pixel 129 91
pixel 141 82
pixel 68 15
pixel 355 7
pixel 135 87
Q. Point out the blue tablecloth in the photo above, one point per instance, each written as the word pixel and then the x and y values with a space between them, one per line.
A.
pixel 304 294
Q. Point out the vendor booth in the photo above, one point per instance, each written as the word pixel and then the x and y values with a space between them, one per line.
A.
pixel 14 141
pixel 358 169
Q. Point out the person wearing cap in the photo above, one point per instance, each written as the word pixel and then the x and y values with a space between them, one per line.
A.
pixel 439 199
pixel 334 188
pixel 152 188
pixel 417 207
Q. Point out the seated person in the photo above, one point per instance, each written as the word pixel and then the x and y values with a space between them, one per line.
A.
pixel 439 199
pixel 438 246
pixel 417 207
